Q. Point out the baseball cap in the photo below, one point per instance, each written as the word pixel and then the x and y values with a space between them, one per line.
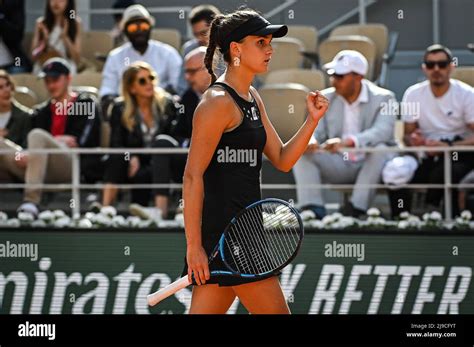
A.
pixel 399 170
pixel 347 61
pixel 55 67
pixel 136 12
pixel 257 26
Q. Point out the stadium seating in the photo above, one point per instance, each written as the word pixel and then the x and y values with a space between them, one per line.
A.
pixel 94 44
pixel 285 104
pixel 378 33
pixel 465 74
pixel 334 44
pixel 170 36
pixel 25 96
pixel 88 78
pixel 308 35
pixel 312 79
pixel 33 83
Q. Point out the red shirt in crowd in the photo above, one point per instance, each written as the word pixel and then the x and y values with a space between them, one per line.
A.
pixel 59 119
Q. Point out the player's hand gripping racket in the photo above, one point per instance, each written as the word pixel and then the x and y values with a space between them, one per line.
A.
pixel 262 239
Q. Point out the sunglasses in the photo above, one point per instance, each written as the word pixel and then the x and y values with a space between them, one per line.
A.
pixel 441 64
pixel 141 26
pixel 143 80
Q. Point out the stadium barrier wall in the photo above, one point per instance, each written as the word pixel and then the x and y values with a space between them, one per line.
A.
pixel 336 272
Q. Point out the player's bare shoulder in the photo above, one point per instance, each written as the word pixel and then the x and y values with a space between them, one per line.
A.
pixel 216 104
pixel 216 101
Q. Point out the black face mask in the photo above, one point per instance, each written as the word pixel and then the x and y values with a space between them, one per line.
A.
pixel 139 39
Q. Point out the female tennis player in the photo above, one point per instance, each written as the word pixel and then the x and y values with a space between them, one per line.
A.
pixel 231 130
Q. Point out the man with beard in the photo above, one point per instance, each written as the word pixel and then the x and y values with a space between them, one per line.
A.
pixel 441 114
pixel 137 24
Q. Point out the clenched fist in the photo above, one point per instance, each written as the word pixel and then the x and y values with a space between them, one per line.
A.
pixel 317 105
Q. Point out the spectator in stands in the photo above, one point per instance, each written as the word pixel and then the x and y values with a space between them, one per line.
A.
pixel 117 34
pixel 438 112
pixel 353 120
pixel 57 34
pixel 15 123
pixel 143 117
pixel 137 24
pixel 66 120
pixel 199 80
pixel 200 19
pixel 12 27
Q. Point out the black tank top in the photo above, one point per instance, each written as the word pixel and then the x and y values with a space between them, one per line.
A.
pixel 232 179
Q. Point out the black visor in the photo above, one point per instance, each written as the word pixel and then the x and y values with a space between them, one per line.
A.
pixel 257 26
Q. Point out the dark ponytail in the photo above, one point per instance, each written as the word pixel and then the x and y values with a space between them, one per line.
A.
pixel 211 48
pixel 221 27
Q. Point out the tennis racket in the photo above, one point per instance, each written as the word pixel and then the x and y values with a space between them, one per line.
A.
pixel 260 240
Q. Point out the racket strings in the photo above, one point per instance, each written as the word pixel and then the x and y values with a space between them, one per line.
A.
pixel 262 239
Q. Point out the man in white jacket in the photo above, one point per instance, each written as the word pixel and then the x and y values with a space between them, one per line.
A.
pixel 354 119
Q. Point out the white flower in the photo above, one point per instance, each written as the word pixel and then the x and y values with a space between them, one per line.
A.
pixel 328 219
pixel 133 221
pixel 147 223
pixel 405 215
pixel 118 222
pixel 414 221
pixel 108 211
pixel 103 220
pixel 466 215
pixel 179 217
pixel 436 216
pixel 26 217
pixel 3 216
pixel 84 223
pixel 373 212
pixel 376 221
pixel 91 216
pixel 39 223
pixel 307 215
pixel 59 213
pixel 403 224
pixel 460 220
pixel 347 222
pixel 46 216
pixel 14 223
pixel 317 224
pixel 62 222
pixel 426 216
pixel 166 224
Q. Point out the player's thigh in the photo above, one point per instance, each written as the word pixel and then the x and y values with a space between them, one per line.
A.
pixel 263 297
pixel 211 299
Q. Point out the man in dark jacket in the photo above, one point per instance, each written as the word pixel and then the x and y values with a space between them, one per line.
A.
pixel 67 120
pixel 15 123
pixel 12 26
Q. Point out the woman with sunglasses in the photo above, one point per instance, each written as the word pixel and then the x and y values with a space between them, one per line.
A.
pixel 231 115
pixel 144 116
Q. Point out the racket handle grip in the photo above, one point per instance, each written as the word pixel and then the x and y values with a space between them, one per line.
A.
pixel 169 290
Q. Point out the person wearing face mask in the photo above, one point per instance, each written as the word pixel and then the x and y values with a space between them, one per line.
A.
pixel 137 24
